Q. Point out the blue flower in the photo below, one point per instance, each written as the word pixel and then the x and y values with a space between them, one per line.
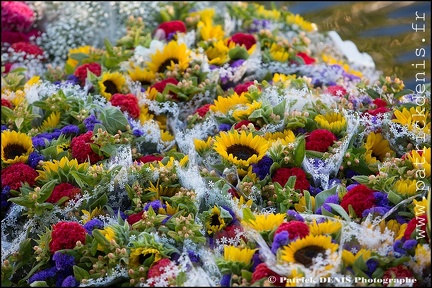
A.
pixel 372 265
pixel 43 275
pixel 93 224
pixel 224 127
pixel 226 280
pixel 70 281
pixel 63 261
pixel 262 167
pixel 409 244
pixel 90 122
pixel 377 210
pixel 156 204
pixel 137 132
pixel 70 130
pixel 194 257
pixel 34 158
pixel 331 199
pixel 381 199
pixel 280 239
pixel 293 215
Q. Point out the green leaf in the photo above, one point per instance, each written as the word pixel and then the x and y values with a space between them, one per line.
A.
pixel 337 208
pixel 113 119
pixel 80 273
pixel 100 238
pixel 238 52
pixel 279 109
pixel 46 190
pixel 39 284
pixel 320 197
pixel 300 152
pixel 291 182
pixel 256 114
pixel 248 215
pixel 394 198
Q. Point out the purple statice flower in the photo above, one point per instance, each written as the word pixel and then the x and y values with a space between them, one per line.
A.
pixel 63 261
pixel 349 173
pixel 256 260
pixel 4 127
pixel 137 132
pixel 70 281
pixel 349 187
pixel 224 127
pixel 381 199
pixel 5 195
pixel 376 210
pixel 72 79
pixel 40 141
pixel 293 215
pixel 331 199
pixel 90 122
pixel 121 213
pixel 299 131
pixel 43 275
pixel 372 265
pixel 401 219
pixel 156 204
pixel 262 167
pixel 237 63
pixel 194 257
pixel 333 182
pixel 34 158
pixel 70 130
pixel 397 248
pixel 94 223
pixel 314 190
pixel 409 244
pixel 226 280
pixel 259 24
pixel 280 239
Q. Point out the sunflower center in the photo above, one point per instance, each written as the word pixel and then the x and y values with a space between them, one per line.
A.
pixel 241 152
pixel 166 64
pixel 214 221
pixel 13 150
pixel 144 257
pixel 145 83
pixel 306 255
pixel 110 87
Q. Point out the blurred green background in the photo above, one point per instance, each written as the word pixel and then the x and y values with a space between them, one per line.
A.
pixel 383 29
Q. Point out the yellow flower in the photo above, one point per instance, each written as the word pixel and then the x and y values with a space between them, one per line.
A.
pixel 332 61
pixel 214 221
pixel 139 255
pixel 283 138
pixel 51 122
pixel 173 55
pixel 217 53
pixel 208 32
pixel 111 83
pixel 420 207
pixel 145 115
pixel 301 205
pixel 142 75
pixel 421 161
pixel 234 254
pixel 206 15
pixel 245 110
pixel 32 81
pixel 376 147
pixel 225 104
pixel 242 149
pixel 334 122
pixel 305 250
pixel 296 19
pixel 87 216
pixel 405 187
pixel 279 53
pixel 109 235
pixel 202 146
pixel 50 169
pixel 15 147
pixel 324 228
pixel 166 136
pixel 265 222
pixel 83 49
pixel 349 258
pixel 394 226
pixel 422 255
pixel 262 12
pixel 282 78
pixel 413 119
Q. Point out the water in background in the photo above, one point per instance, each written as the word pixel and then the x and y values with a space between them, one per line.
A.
pixel 383 29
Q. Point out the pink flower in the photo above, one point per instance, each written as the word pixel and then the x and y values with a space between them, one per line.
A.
pixel 248 40
pixel 337 90
pixel 16 16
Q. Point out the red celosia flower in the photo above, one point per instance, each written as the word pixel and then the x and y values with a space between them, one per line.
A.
pixel 81 149
pixel 246 123
pixel 13 37
pixel 7 103
pixel 375 112
pixel 360 198
pixel 379 102
pixel 61 190
pixel 28 48
pixel 202 111
pixel 126 102
pixel 306 58
pixel 294 228
pixel 65 235
pixel 149 158
pixel 262 271
pixel 399 272
pixel 133 218
pixel 320 140
pixel 417 224
pixel 160 86
pixel 282 175
pixel 173 26
pixel 240 88
pixel 337 90
pixel 248 40
pixel 16 174
pixel 81 71
pixel 233 192
pixel 157 269
pixel 16 16
pixel 230 232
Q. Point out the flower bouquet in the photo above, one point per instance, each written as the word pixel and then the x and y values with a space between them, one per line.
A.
pixel 201 144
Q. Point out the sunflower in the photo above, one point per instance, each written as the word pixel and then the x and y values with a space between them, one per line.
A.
pixel 15 147
pixel 349 258
pixel 166 136
pixel 141 254
pixel 225 104
pixel 324 228
pixel 376 147
pixel 265 222
pixel 142 75
pixel 160 190
pixel 173 55
pixel 217 53
pixel 296 19
pixel 89 215
pixel 394 226
pixel 214 222
pixel 282 78
pixel 279 53
pixel 421 161
pixel 51 169
pixel 145 115
pixel 168 210
pixel 304 250
pixel 283 138
pixel 405 187
pixel 413 119
pixel 83 50
pixel 242 149
pixel 202 146
pixel 109 235
pixel 301 205
pixel 208 32
pixel 51 122
pixel 234 254
pixel 206 15
pixel 111 83
pixel 334 122
pixel 245 110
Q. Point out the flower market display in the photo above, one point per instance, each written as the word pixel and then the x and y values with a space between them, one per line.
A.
pixel 204 144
